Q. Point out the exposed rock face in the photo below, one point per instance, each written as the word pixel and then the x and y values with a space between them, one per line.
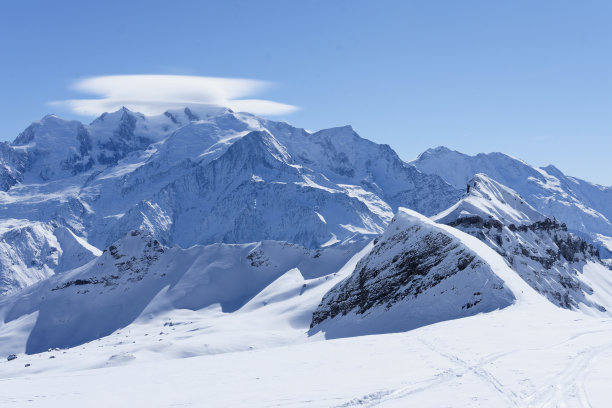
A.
pixel 122 140
pixel 541 250
pixel 546 256
pixel 416 274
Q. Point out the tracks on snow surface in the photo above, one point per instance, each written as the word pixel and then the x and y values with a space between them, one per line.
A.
pixel 564 388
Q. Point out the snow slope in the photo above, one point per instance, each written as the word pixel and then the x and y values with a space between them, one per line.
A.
pixel 509 358
pixel 489 199
pixel 32 251
pixel 139 276
pixel 249 357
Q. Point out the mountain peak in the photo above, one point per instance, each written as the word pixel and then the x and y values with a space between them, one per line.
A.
pixel 489 200
pixel 418 273
pixel 439 149
pixel 120 114
pixel 434 151
pixel 553 171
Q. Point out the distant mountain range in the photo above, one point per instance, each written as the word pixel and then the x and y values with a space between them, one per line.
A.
pixel 194 177
pixel 197 207
pixel 585 207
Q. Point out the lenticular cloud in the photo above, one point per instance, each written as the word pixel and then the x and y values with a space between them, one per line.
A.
pixel 153 94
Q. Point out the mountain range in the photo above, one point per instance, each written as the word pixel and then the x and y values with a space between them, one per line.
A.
pixel 257 234
pixel 208 232
pixel 194 177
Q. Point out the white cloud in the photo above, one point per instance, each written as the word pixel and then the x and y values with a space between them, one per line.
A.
pixel 154 94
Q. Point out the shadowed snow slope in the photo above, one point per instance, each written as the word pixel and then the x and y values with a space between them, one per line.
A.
pixel 139 273
pixel 418 273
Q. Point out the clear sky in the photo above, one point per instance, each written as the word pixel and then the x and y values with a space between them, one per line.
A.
pixel 529 78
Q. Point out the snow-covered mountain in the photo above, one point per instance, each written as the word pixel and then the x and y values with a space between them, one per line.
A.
pixel 418 273
pixel 196 176
pixel 489 200
pixel 556 263
pixel 585 207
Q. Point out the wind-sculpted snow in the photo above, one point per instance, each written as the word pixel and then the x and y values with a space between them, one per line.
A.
pixel 138 273
pixel 586 208
pixel 541 250
pixel 416 274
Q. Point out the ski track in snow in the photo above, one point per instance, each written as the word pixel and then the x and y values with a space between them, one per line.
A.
pixel 461 368
pixel 479 371
pixel 568 385
pixel 565 388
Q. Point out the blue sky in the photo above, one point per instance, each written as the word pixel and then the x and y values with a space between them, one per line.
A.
pixel 529 78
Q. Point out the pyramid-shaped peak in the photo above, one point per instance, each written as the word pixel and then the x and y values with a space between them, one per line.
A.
pixel 487 199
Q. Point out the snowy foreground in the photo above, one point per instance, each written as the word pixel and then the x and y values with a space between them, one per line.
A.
pixel 530 353
pixel 513 357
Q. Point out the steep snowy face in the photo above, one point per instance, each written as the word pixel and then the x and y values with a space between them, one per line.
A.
pixel 416 274
pixel 13 163
pixel 54 148
pixel 347 159
pixel 586 208
pixel 120 133
pixel 238 172
pixel 255 191
pixel 33 251
pixel 138 275
pixel 541 250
